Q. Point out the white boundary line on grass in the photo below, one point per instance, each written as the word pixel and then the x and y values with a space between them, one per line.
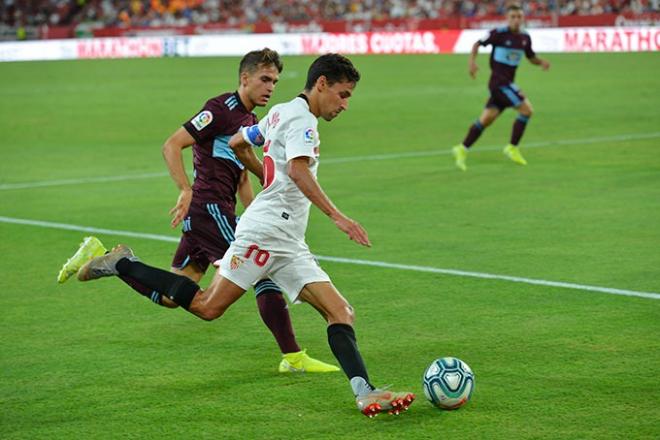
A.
pixel 445 151
pixel 426 269
pixel 337 160
pixel 100 179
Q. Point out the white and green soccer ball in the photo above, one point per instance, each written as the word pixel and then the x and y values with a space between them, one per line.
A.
pixel 448 383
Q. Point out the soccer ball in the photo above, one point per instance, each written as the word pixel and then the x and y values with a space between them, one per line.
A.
pixel 448 383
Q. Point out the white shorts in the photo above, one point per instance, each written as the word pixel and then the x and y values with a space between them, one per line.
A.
pixel 286 261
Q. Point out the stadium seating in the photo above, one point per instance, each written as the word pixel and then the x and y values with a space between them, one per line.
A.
pixel 68 18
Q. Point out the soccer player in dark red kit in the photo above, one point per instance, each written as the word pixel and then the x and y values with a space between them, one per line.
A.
pixel 206 209
pixel 509 43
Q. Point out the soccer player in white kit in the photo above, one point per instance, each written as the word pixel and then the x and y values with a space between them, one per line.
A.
pixel 270 238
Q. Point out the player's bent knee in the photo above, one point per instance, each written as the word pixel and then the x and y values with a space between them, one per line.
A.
pixel 526 110
pixel 349 315
pixel 342 315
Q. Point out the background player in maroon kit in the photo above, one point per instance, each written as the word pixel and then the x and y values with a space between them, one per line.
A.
pixel 509 43
pixel 206 210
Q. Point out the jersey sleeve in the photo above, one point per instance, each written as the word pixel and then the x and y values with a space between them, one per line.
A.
pixel 301 139
pixel 529 52
pixel 263 126
pixel 489 38
pixel 205 125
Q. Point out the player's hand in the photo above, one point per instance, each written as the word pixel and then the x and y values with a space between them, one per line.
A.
pixel 180 210
pixel 353 229
pixel 545 65
pixel 473 69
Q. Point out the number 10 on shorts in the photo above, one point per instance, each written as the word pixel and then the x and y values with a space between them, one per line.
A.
pixel 260 258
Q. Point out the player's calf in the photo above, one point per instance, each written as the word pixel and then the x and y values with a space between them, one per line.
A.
pixel 460 151
pixel 517 131
pixel 474 132
pixel 122 261
pixel 206 304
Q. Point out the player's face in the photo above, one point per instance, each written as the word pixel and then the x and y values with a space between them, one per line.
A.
pixel 260 84
pixel 334 99
pixel 515 19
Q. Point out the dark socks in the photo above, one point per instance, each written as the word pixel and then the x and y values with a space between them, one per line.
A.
pixel 341 338
pixel 518 129
pixel 142 289
pixel 473 134
pixel 275 314
pixel 178 288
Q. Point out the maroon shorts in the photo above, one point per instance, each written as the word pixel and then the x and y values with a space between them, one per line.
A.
pixel 207 233
pixel 505 96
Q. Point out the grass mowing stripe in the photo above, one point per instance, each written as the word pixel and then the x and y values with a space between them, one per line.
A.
pixel 427 269
pixel 338 160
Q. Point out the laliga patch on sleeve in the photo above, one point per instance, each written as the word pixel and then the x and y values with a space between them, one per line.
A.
pixel 202 120
pixel 310 137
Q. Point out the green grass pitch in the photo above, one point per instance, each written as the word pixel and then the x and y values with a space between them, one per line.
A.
pixel 98 361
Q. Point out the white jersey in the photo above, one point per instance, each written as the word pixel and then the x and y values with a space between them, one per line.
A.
pixel 289 131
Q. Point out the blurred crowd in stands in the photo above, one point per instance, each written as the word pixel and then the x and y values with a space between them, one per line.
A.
pixel 155 13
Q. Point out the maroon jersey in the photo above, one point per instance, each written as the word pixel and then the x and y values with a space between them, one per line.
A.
pixel 508 50
pixel 217 169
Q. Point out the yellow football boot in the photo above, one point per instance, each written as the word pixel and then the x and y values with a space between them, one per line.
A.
pixel 300 362
pixel 513 153
pixel 460 155
pixel 89 248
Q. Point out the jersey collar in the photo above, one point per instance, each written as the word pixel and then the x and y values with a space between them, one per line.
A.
pixel 304 98
pixel 240 103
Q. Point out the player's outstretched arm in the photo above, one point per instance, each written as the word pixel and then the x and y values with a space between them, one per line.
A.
pixel 303 178
pixel 245 153
pixel 545 65
pixel 472 63
pixel 172 152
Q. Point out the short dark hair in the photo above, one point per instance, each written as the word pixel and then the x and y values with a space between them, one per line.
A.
pixel 514 7
pixel 264 57
pixel 336 68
